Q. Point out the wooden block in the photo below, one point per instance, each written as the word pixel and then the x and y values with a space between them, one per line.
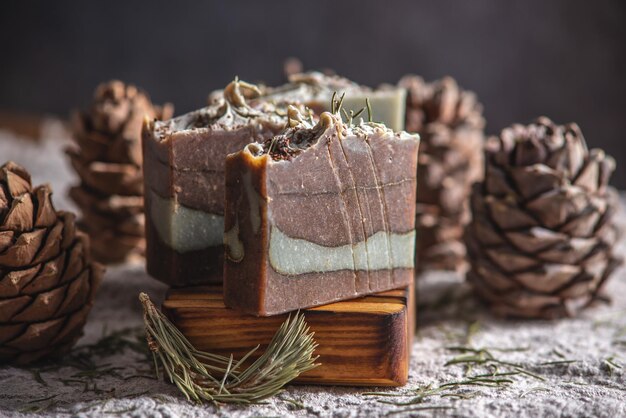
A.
pixel 362 342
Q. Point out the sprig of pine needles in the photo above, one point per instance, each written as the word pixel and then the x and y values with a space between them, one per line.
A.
pixel 203 376
pixel 336 108
pixel 336 104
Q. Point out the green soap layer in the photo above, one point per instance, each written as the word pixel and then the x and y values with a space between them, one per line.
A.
pixel 185 229
pixel 381 251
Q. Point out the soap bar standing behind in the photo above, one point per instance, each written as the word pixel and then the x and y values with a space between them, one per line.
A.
pixel 315 90
pixel 184 182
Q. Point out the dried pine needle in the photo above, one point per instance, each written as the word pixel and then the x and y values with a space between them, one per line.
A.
pixel 535 389
pixel 419 408
pixel 38 378
pixel 611 365
pixel 557 362
pixel 203 376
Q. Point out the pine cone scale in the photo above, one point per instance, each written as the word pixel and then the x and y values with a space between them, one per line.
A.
pixel 10 307
pixel 77 292
pixel 13 281
pixel 38 335
pixel 51 245
pixel 6 239
pixel 548 279
pixel 45 215
pixel 48 275
pixel 43 306
pixel 9 332
pixel 507 215
pixel 19 218
pixel 16 180
pixel 535 240
pixel 24 249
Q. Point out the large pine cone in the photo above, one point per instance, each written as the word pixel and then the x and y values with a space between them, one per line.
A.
pixel 109 162
pixel 47 282
pixel 542 237
pixel 450 123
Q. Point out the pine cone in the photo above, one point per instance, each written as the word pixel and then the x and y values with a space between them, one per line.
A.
pixel 109 162
pixel 47 282
pixel 450 123
pixel 542 238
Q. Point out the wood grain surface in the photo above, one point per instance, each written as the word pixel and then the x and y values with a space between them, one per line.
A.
pixel 362 342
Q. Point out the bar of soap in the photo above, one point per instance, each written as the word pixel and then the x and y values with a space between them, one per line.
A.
pixel 184 181
pixel 314 90
pixel 319 213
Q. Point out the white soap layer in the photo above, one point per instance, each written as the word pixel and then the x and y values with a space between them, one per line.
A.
pixel 185 229
pixel 293 256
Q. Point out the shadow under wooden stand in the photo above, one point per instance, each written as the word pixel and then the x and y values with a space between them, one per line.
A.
pixel 362 342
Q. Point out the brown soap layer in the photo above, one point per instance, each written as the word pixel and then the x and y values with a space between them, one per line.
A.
pixel 190 165
pixel 182 269
pixel 290 293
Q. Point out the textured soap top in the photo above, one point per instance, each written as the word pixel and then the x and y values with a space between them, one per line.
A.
pixel 236 106
pixel 303 132
pixel 314 86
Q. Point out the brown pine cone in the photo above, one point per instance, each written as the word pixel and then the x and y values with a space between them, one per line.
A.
pixel 108 160
pixel 450 123
pixel 47 282
pixel 542 239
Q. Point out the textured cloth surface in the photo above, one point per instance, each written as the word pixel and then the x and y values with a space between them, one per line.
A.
pixel 588 378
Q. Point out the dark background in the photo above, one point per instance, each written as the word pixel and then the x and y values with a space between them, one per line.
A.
pixel 564 59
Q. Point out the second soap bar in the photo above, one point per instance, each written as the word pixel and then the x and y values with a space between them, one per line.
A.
pixel 318 214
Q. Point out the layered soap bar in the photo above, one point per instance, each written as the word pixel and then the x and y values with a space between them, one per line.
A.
pixel 184 181
pixel 319 213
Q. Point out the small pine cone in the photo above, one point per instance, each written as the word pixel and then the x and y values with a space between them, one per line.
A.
pixel 47 281
pixel 542 237
pixel 109 162
pixel 450 123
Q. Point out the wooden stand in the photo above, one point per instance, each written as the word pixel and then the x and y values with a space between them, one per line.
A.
pixel 362 342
